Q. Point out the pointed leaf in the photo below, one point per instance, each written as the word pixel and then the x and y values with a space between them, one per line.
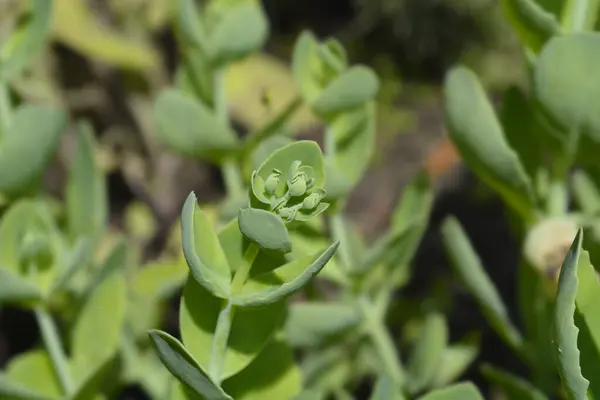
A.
pixel 468 266
pixel 265 229
pixel 462 391
pixel 184 367
pixel 204 255
pixel 86 195
pixel 353 88
pixel 98 328
pixel 512 386
pixel 242 30
pixel 272 375
pixel 478 136
pixel 311 323
pixel 274 286
pixel 533 24
pixel 189 127
pixel 29 145
pixel 29 43
pixel 565 331
pixel 34 370
pixel 76 259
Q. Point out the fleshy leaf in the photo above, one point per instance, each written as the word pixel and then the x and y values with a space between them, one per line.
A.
pixel 99 326
pixel 353 88
pixel 202 250
pixel 191 128
pixel 565 330
pixel 274 286
pixel 242 30
pixel 272 375
pixel 477 134
pixel 533 24
pixel 86 194
pixel 385 389
pixel 311 323
pixel 462 391
pixel 31 41
pixel 304 58
pixel 184 367
pixel 31 141
pixel 468 266
pixel 265 229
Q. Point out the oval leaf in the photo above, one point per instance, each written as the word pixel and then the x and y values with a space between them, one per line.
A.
pixel 273 286
pixel 34 370
pixel 265 229
pixel 184 367
pixel 478 136
pixel 565 330
pixel 202 250
pixel 191 128
pixel 351 89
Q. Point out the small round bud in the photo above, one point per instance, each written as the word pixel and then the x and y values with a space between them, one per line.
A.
pixel 298 186
pixel 293 171
pixel 311 201
pixel 287 213
pixel 272 182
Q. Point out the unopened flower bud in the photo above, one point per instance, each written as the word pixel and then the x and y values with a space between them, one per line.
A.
pixel 272 182
pixel 311 201
pixel 298 186
pixel 287 213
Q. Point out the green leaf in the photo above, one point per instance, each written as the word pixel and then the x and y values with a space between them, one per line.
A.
pixel 462 391
pixel 190 24
pixel 204 255
pixel 265 148
pixel 586 193
pixel 468 266
pixel 385 389
pixel 115 260
pixel 250 330
pixel 565 331
pixel 427 353
pixel 272 375
pixel 304 59
pixel 98 328
pixel 312 323
pixel 563 92
pixel 276 285
pixel 160 279
pixel 184 367
pixel 27 44
pixel 33 370
pixel 14 289
pixel 512 386
pixel 532 23
pixel 478 136
pixel 265 229
pixel 190 128
pixel 26 149
pixel 579 15
pixel 86 195
pixel 15 391
pixel 75 260
pixel 353 88
pixel 455 361
pixel 242 30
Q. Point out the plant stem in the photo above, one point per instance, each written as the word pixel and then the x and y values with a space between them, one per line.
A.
pixel 226 315
pixel 5 109
pixel 384 345
pixel 52 342
pixel 233 179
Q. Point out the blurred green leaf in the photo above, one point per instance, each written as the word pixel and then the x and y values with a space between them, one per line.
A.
pixel 242 30
pixel 271 375
pixel 565 331
pixel 13 288
pixel 353 88
pixel 312 323
pixel 455 360
pixel 33 370
pixel 512 386
pixel 385 389
pixel 276 285
pixel 191 128
pixel 462 391
pixel 533 24
pixel 184 367
pixel 75 259
pixel 426 356
pixel 160 279
pixel 478 136
pixel 265 229
pixel 304 58
pixel 86 195
pixel 579 15
pixel 586 193
pixel 15 391
pixel 99 326
pixel 28 146
pixel 468 267
pixel 27 44
pixel 204 255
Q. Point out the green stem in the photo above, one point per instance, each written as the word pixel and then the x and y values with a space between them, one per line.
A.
pixel 227 313
pixel 383 343
pixel 233 179
pixel 5 109
pixel 53 346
